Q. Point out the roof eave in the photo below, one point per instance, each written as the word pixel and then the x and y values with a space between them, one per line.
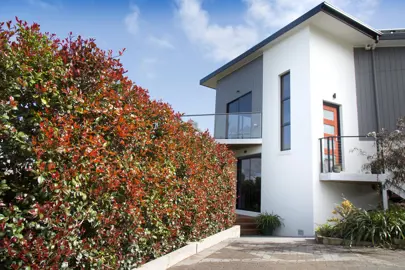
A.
pixel 325 7
pixel 400 36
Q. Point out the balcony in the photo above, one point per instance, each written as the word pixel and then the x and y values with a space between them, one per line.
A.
pixel 343 159
pixel 230 128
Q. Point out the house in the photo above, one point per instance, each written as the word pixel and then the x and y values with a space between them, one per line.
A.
pixel 296 109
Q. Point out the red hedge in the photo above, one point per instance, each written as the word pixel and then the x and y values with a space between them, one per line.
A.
pixel 93 173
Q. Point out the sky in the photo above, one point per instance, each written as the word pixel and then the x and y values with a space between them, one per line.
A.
pixel 172 44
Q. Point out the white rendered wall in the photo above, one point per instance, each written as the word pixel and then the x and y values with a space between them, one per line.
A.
pixel 332 71
pixel 287 176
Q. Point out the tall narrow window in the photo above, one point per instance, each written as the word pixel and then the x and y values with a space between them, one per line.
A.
pixel 240 118
pixel 285 112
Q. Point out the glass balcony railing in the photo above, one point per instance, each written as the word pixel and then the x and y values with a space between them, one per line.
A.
pixel 229 125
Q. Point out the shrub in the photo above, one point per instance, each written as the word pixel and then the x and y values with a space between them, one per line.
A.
pixel 356 224
pixel 342 211
pixel 93 173
pixel 326 230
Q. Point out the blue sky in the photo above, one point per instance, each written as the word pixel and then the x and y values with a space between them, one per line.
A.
pixel 171 44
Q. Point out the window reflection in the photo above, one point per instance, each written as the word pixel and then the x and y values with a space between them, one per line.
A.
pixel 249 184
pixel 240 118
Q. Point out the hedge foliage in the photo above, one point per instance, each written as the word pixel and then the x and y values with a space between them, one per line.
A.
pixel 95 174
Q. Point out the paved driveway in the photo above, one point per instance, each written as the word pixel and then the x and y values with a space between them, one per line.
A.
pixel 253 253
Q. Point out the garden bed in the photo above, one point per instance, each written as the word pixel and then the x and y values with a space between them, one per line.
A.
pixel 383 228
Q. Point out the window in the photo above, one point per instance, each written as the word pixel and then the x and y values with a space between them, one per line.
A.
pixel 239 117
pixel 285 112
pixel 249 184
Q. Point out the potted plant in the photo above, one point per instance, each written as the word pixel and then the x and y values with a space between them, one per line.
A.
pixel 267 223
pixel 337 168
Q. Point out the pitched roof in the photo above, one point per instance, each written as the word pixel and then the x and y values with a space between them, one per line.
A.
pixel 323 7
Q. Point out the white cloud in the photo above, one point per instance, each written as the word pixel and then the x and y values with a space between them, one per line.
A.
pixel 277 13
pixel 132 20
pixel 43 4
pixel 149 60
pixel 261 17
pixel 160 42
pixel 218 42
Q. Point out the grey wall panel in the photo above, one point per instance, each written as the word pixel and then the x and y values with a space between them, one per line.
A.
pixel 365 97
pixel 390 82
pixel 247 79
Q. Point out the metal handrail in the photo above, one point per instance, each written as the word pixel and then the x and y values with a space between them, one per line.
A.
pixel 359 136
pixel 213 114
pixel 331 151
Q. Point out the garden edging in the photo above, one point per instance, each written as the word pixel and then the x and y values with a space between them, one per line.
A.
pixel 398 243
pixel 339 241
pixel 190 249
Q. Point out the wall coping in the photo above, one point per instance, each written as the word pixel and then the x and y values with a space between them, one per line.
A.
pixel 192 248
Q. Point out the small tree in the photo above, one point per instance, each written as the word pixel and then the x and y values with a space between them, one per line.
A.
pixel 390 156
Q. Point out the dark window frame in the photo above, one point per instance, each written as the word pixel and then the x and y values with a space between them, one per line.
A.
pixel 238 112
pixel 239 173
pixel 237 99
pixel 282 101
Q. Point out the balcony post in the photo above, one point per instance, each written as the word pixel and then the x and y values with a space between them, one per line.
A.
pixel 320 151
pixel 261 125
pixel 384 196
pixel 333 153
pixel 328 155
pixel 251 125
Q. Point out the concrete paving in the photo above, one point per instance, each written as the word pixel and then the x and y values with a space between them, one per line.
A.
pixel 257 253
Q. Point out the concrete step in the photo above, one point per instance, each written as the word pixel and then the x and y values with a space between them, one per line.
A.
pixel 247 225
pixel 249 232
pixel 244 219
pixel 399 190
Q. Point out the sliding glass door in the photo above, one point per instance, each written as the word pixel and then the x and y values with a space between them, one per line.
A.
pixel 249 184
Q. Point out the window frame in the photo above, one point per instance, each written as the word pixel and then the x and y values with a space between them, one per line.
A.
pixel 238 113
pixel 239 181
pixel 282 116
pixel 238 99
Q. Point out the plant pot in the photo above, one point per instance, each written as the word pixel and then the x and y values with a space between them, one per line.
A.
pixel 332 241
pixel 318 238
pixel 337 169
pixel 399 242
pixel 375 170
pixel 267 231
